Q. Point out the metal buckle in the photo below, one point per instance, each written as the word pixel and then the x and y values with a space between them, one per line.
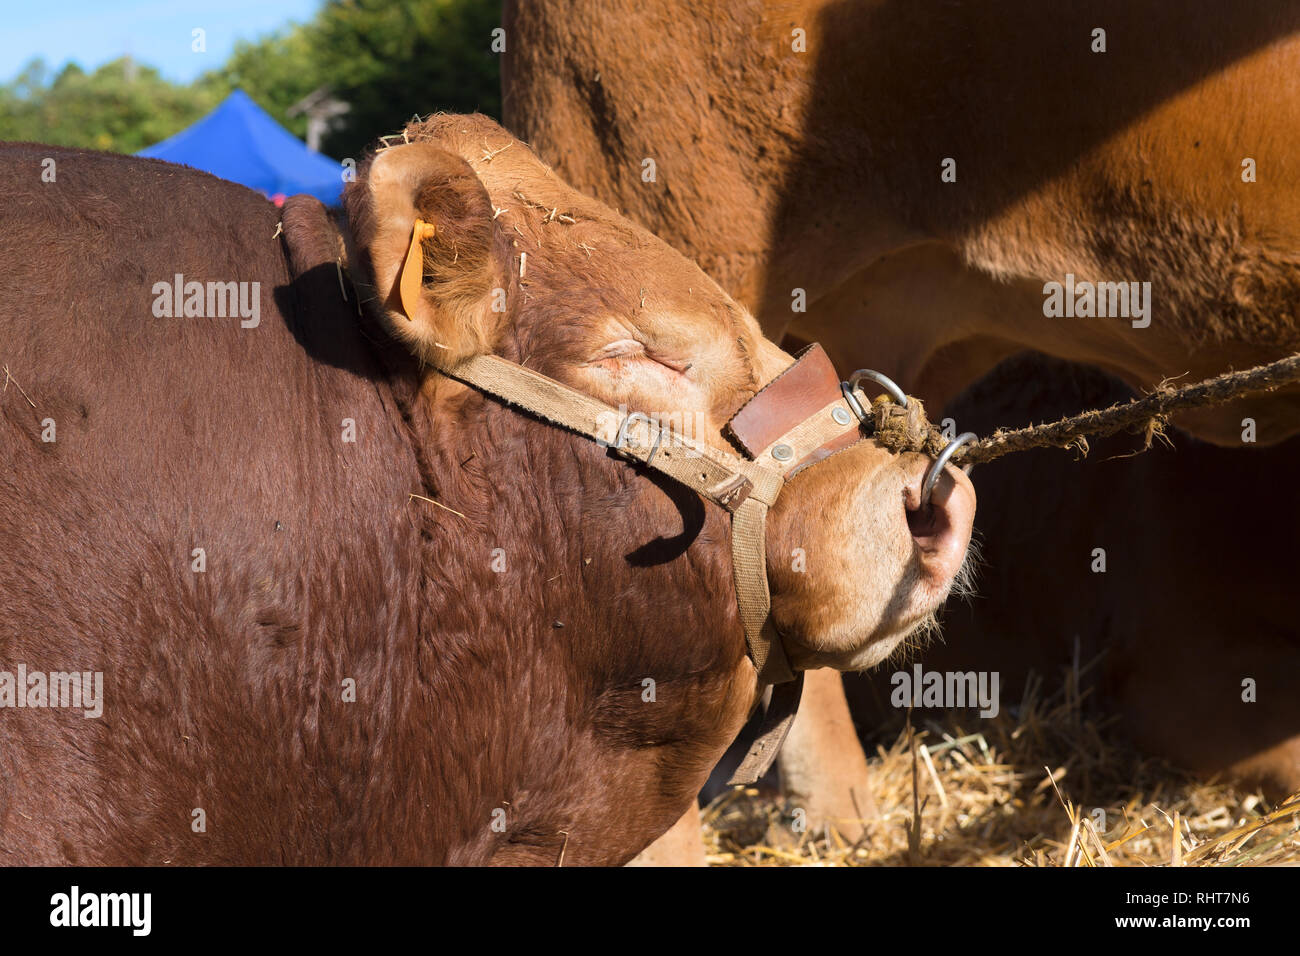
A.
pixel 851 399
pixel 620 441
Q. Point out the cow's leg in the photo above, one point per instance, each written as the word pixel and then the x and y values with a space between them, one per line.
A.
pixel 823 769
pixel 682 845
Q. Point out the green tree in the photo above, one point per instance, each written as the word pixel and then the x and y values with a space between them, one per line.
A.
pixel 122 106
pixel 392 60
pixel 388 59
pixel 276 71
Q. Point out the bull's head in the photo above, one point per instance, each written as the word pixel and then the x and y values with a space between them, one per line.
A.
pixel 518 264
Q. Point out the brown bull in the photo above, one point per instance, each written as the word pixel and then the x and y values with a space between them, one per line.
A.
pixel 921 171
pixel 929 188
pixel 342 608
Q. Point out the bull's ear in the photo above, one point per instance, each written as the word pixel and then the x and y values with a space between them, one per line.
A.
pixel 423 229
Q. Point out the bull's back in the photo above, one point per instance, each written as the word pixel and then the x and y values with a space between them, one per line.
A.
pixel 179 509
pixel 82 260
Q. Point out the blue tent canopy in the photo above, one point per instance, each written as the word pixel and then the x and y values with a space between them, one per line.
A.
pixel 239 141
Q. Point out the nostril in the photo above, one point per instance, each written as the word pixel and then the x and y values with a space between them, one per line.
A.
pixel 941 529
pixel 933 525
pixel 926 523
pixel 920 521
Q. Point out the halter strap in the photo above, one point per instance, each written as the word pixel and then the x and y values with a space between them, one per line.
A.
pixel 744 488
pixel 787 426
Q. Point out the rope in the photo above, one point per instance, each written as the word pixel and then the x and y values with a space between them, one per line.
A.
pixel 907 429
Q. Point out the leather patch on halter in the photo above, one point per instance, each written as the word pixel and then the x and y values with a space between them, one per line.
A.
pixel 798 393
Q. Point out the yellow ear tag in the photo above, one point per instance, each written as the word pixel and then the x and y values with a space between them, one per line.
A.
pixel 413 268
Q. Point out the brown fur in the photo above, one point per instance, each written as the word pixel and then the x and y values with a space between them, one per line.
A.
pixel 478 690
pixel 820 171
pixel 223 688
pixel 780 170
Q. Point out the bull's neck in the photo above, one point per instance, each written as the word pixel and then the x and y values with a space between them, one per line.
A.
pixel 581 618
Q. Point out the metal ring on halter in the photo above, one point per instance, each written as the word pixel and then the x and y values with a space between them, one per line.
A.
pixel 889 385
pixel 851 399
pixel 936 466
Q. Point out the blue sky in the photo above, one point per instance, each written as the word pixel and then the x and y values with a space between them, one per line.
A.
pixel 157 32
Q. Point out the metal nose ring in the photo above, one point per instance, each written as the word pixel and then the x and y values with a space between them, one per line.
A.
pixel 936 467
pixel 896 393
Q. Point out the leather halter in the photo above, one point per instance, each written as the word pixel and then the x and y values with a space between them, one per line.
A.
pixel 796 420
